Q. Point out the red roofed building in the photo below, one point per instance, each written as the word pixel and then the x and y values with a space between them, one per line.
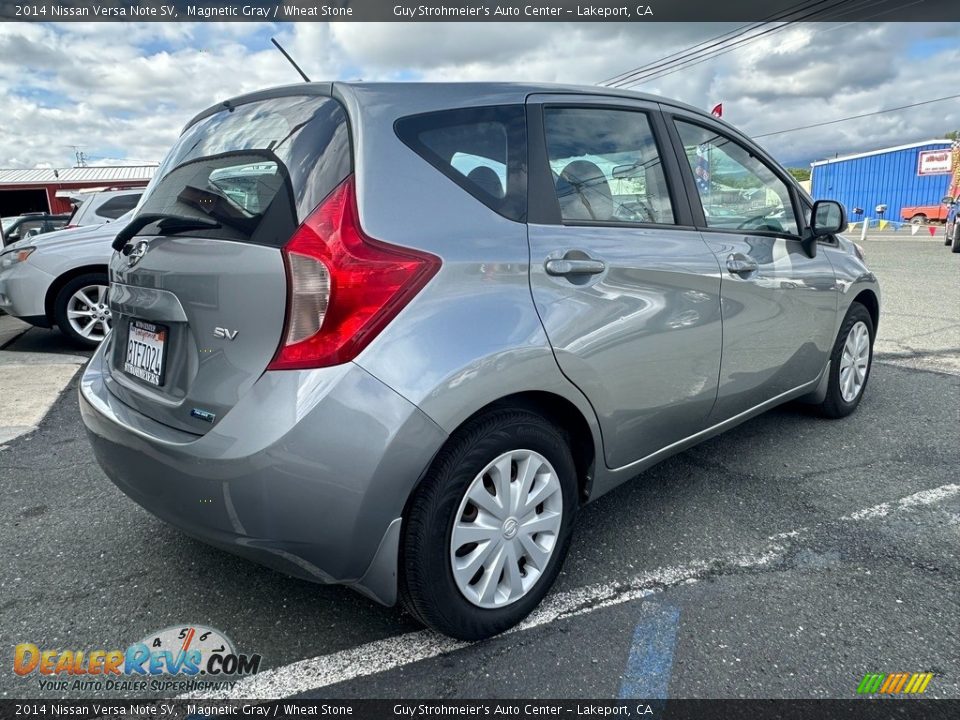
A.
pixel 50 189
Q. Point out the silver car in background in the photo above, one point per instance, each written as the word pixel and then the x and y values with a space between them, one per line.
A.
pixel 60 279
pixel 394 336
pixel 103 206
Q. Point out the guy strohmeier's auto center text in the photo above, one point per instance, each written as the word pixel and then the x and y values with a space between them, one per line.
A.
pixel 522 10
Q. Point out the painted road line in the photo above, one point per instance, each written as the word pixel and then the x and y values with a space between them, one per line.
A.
pixel 401 650
pixel 924 497
pixel 29 385
pixel 11 329
pixel 650 661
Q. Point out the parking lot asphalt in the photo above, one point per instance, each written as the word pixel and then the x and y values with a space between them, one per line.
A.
pixel 786 558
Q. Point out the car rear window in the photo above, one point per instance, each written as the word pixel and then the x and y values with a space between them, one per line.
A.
pixel 114 207
pixel 482 149
pixel 257 169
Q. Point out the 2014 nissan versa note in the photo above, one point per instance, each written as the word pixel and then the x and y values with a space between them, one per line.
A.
pixel 394 335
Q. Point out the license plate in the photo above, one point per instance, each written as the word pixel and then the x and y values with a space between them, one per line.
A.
pixel 146 346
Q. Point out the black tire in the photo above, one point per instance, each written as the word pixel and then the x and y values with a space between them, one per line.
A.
pixel 955 242
pixel 834 406
pixel 428 589
pixel 63 298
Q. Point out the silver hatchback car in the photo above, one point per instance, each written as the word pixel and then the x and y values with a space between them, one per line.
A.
pixel 393 336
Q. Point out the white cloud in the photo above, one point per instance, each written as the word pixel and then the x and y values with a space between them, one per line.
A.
pixel 124 91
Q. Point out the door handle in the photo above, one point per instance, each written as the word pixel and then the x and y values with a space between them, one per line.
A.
pixel 574 267
pixel 741 265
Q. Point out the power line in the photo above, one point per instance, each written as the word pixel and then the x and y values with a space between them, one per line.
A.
pixel 855 117
pixel 780 28
pixel 686 53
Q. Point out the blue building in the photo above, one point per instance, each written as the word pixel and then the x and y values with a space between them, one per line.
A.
pixel 893 177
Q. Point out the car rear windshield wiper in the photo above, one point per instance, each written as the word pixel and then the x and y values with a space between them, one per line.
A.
pixel 165 223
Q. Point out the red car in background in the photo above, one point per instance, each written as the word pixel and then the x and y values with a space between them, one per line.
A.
pixel 923 214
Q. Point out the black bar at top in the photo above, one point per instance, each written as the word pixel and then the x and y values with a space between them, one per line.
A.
pixel 846 11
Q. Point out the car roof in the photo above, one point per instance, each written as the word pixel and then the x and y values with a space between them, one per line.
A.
pixel 411 97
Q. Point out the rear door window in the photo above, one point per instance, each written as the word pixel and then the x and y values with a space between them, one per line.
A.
pixel 256 170
pixel 482 149
pixel 606 166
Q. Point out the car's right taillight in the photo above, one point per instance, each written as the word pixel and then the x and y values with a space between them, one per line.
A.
pixel 343 287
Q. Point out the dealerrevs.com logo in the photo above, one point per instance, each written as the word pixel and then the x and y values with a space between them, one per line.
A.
pixel 178 659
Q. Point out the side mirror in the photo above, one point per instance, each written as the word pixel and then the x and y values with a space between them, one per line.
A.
pixel 948 200
pixel 826 218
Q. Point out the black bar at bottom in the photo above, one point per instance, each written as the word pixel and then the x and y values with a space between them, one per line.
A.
pixel 855 709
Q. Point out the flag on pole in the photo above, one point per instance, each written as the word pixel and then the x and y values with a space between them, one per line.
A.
pixel 717 110
pixel 702 170
pixel 914 229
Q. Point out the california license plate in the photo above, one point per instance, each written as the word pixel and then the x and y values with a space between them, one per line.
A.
pixel 146 345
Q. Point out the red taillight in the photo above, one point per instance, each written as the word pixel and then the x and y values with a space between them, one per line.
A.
pixel 343 287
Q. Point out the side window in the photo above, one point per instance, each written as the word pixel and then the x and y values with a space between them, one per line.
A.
pixel 29 228
pixel 606 166
pixel 117 206
pixel 737 190
pixel 482 149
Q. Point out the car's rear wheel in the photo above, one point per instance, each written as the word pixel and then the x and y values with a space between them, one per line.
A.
pixel 81 309
pixel 489 527
pixel 919 219
pixel 955 242
pixel 850 363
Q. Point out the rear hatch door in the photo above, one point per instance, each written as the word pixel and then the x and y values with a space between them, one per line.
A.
pixel 199 292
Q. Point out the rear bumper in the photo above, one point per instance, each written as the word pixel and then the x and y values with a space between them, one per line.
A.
pixel 23 291
pixel 309 473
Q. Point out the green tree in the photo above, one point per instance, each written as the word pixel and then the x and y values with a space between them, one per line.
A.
pixel 799 174
pixel 952 135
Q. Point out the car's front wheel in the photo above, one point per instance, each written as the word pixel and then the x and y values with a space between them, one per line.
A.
pixel 81 309
pixel 850 363
pixel 489 527
pixel 955 241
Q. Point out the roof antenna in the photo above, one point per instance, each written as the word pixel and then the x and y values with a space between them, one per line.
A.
pixel 287 56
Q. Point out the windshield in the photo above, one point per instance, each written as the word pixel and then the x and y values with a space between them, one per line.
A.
pixel 257 169
pixel 5 223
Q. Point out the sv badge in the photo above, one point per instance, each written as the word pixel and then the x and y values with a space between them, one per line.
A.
pixel 225 334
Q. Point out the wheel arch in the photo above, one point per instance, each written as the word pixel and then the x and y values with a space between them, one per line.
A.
pixel 57 285
pixel 871 302
pixel 555 408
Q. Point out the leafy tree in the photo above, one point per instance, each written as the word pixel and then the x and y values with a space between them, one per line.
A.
pixel 799 174
pixel 952 135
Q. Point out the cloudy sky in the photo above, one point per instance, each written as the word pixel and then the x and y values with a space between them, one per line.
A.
pixel 122 92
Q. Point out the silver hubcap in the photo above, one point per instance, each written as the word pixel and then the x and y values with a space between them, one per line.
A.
pixel 506 529
pixel 88 312
pixel 854 362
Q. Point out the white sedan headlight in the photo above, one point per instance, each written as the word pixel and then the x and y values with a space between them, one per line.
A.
pixel 12 257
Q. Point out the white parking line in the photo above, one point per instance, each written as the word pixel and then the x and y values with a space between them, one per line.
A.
pixel 29 385
pixel 394 652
